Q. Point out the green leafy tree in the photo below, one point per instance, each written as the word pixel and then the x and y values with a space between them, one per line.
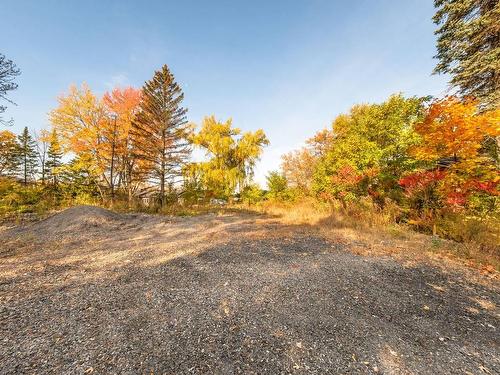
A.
pixel 159 131
pixel 231 156
pixel 28 157
pixel 372 143
pixel 80 177
pixel 54 157
pixel 252 194
pixel 277 184
pixel 193 191
pixel 469 47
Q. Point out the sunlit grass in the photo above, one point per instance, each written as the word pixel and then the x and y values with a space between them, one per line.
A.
pixel 473 241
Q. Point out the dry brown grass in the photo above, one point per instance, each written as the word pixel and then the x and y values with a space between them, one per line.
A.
pixel 375 232
pixel 307 211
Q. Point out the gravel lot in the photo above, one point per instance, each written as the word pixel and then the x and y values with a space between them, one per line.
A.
pixel 89 291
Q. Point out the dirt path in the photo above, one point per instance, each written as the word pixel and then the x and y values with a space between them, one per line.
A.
pixel 88 291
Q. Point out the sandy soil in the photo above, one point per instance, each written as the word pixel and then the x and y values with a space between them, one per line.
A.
pixel 91 291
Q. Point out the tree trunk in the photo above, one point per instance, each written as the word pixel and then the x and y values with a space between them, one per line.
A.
pixel 43 171
pixel 128 178
pixel 111 181
pixel 25 170
pixel 162 184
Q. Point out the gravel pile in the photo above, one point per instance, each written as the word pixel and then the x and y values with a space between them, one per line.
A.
pixel 69 222
pixel 227 295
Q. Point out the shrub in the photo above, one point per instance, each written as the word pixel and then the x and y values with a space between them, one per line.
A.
pixel 252 194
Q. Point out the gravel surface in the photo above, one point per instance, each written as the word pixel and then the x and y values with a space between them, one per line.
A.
pixel 88 291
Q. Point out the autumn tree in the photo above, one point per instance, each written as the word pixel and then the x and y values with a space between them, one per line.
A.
pixel 8 72
pixel 83 126
pixel 469 47
pixel 121 105
pixel 298 167
pixel 78 120
pixel 372 140
pixel 159 131
pixel 452 134
pixel 9 153
pixel 28 158
pixel 455 128
pixel 231 156
pixel 321 142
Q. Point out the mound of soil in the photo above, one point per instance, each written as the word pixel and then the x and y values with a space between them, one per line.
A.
pixel 79 217
pixel 79 220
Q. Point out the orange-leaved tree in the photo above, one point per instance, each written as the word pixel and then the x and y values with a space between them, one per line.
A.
pixel 98 131
pixel 452 134
pixel 121 107
pixel 454 128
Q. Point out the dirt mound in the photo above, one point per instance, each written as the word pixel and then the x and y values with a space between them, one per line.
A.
pixel 74 221
pixel 80 216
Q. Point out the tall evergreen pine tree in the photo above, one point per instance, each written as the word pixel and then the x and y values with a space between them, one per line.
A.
pixel 469 47
pixel 159 131
pixel 54 156
pixel 28 157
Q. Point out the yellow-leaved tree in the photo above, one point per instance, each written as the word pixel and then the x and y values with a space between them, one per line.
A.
pixel 79 121
pixel 231 156
pixel 8 153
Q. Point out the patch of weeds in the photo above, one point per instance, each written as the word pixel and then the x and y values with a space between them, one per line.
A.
pixel 397 232
pixel 436 242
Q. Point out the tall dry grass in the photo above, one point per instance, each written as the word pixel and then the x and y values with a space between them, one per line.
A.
pixel 475 241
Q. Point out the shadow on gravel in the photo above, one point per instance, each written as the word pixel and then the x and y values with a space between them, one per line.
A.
pixel 239 294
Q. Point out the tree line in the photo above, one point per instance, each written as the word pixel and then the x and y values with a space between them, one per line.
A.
pixel 426 156
pixel 132 143
pixel 422 159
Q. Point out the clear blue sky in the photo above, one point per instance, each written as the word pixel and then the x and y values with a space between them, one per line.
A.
pixel 286 66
